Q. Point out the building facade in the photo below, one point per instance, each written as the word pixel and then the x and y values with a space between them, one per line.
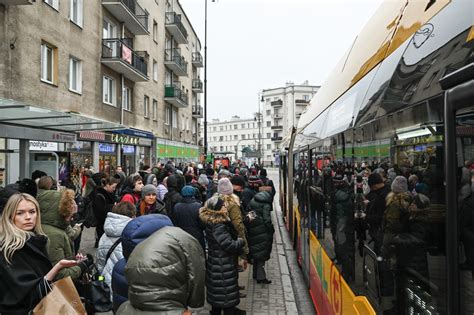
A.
pixel 102 83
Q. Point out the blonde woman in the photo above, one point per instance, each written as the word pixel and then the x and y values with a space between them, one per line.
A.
pixel 24 264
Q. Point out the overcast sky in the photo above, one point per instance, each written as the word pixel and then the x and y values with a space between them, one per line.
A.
pixel 260 44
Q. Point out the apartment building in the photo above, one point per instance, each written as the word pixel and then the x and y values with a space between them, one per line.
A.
pixel 101 83
pixel 281 109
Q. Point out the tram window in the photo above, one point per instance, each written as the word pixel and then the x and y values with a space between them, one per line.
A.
pixel 465 153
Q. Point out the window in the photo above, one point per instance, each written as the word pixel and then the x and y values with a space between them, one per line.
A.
pixel 221 128
pixel 154 112
pixel 75 75
pixel 108 90
pixel 269 135
pixel 213 128
pixel 146 106
pixel 52 3
pixel 269 146
pixel 236 126
pixel 155 31
pixel 269 123
pixel 306 97
pixel 174 119
pixel 167 115
pixel 76 14
pixel 155 70
pixel 243 126
pixel 127 98
pixel 243 137
pixel 236 137
pixel 109 30
pixel 269 112
pixel 48 60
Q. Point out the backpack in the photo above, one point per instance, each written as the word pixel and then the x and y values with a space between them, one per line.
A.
pixel 87 211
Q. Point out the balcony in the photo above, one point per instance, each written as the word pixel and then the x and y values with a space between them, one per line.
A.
pixel 197 85
pixel 277 103
pixel 279 127
pixel 301 102
pixel 197 111
pixel 119 57
pixel 16 2
pixel 277 138
pixel 130 13
pixel 197 60
pixel 298 115
pixel 176 28
pixel 175 62
pixel 277 116
pixel 176 96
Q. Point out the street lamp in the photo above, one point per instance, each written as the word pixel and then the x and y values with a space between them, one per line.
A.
pixel 260 99
pixel 205 77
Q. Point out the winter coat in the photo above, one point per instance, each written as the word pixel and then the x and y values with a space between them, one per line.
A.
pixel 395 219
pixel 342 212
pixel 260 230
pixel 186 216
pixel 21 282
pixel 173 196
pixel 233 207
pixel 245 196
pixel 376 209
pixel 113 227
pixel 158 208
pixel 136 231
pixel 56 228
pixel 165 274
pixel 268 182
pixel 103 204
pixel 131 196
pixel 223 248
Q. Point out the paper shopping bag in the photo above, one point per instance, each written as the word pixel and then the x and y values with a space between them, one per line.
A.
pixel 62 300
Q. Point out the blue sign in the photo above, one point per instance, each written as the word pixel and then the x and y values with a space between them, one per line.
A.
pixel 107 147
pixel 128 149
pixel 135 133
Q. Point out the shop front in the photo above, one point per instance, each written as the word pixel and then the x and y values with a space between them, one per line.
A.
pixel 177 152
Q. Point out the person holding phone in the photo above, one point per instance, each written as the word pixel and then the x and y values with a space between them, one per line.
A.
pixel 25 268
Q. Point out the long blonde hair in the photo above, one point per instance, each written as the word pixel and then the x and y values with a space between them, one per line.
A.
pixel 11 237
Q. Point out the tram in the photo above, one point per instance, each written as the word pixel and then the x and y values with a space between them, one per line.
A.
pixel 402 95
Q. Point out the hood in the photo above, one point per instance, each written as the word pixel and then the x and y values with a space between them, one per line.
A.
pixel 137 230
pixel 115 223
pixel 166 272
pixel 208 216
pixel 172 182
pixel 150 178
pixel 49 206
pixel 264 197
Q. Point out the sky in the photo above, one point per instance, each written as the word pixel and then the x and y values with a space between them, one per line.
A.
pixel 261 44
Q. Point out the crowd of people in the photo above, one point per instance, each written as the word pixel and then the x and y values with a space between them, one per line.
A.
pixel 165 236
pixel 396 211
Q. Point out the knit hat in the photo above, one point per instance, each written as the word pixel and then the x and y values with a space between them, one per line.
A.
pixel 203 180
pixel 238 180
pixel 148 189
pixel 263 172
pixel 374 179
pixel 188 191
pixel 399 185
pixel 224 187
pixel 224 173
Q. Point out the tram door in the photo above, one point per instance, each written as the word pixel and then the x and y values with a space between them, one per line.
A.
pixel 304 207
pixel 459 139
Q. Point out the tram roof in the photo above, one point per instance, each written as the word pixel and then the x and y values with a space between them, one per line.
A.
pixel 393 23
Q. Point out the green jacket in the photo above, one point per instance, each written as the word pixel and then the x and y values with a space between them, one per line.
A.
pixel 235 213
pixel 165 273
pixel 57 229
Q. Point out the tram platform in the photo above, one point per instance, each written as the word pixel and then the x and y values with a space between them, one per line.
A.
pixel 287 294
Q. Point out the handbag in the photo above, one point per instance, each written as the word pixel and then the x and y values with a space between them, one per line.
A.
pixel 63 299
pixel 94 290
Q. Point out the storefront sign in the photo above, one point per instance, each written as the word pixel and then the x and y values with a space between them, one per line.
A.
pixel 128 149
pixel 171 151
pixel 124 139
pixel 106 148
pixel 43 146
pixel 135 133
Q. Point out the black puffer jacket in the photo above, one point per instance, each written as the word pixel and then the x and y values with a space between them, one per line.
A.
pixel 186 216
pixel 224 247
pixel 173 196
pixel 260 230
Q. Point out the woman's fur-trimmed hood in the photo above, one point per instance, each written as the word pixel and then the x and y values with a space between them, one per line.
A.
pixel 401 199
pixel 208 216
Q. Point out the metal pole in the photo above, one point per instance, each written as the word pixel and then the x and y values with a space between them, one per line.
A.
pixel 259 133
pixel 205 78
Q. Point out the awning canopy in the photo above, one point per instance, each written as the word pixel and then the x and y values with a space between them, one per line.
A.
pixel 18 113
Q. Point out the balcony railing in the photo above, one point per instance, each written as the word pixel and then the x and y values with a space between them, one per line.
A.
pixel 174 25
pixel 130 13
pixel 197 59
pixel 277 103
pixel 301 102
pixel 176 62
pixel 197 111
pixel 197 85
pixel 277 138
pixel 176 96
pixel 277 127
pixel 277 115
pixel 117 55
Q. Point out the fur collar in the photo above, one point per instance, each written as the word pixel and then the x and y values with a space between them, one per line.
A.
pixel 208 216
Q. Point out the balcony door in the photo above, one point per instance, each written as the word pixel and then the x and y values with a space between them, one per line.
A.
pixel 109 31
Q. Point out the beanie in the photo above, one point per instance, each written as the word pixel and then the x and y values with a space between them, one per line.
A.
pixel 399 185
pixel 238 180
pixel 263 172
pixel 148 189
pixel 374 179
pixel 224 187
pixel 203 180
pixel 188 191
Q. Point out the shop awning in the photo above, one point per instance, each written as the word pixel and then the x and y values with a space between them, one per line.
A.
pixel 18 113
